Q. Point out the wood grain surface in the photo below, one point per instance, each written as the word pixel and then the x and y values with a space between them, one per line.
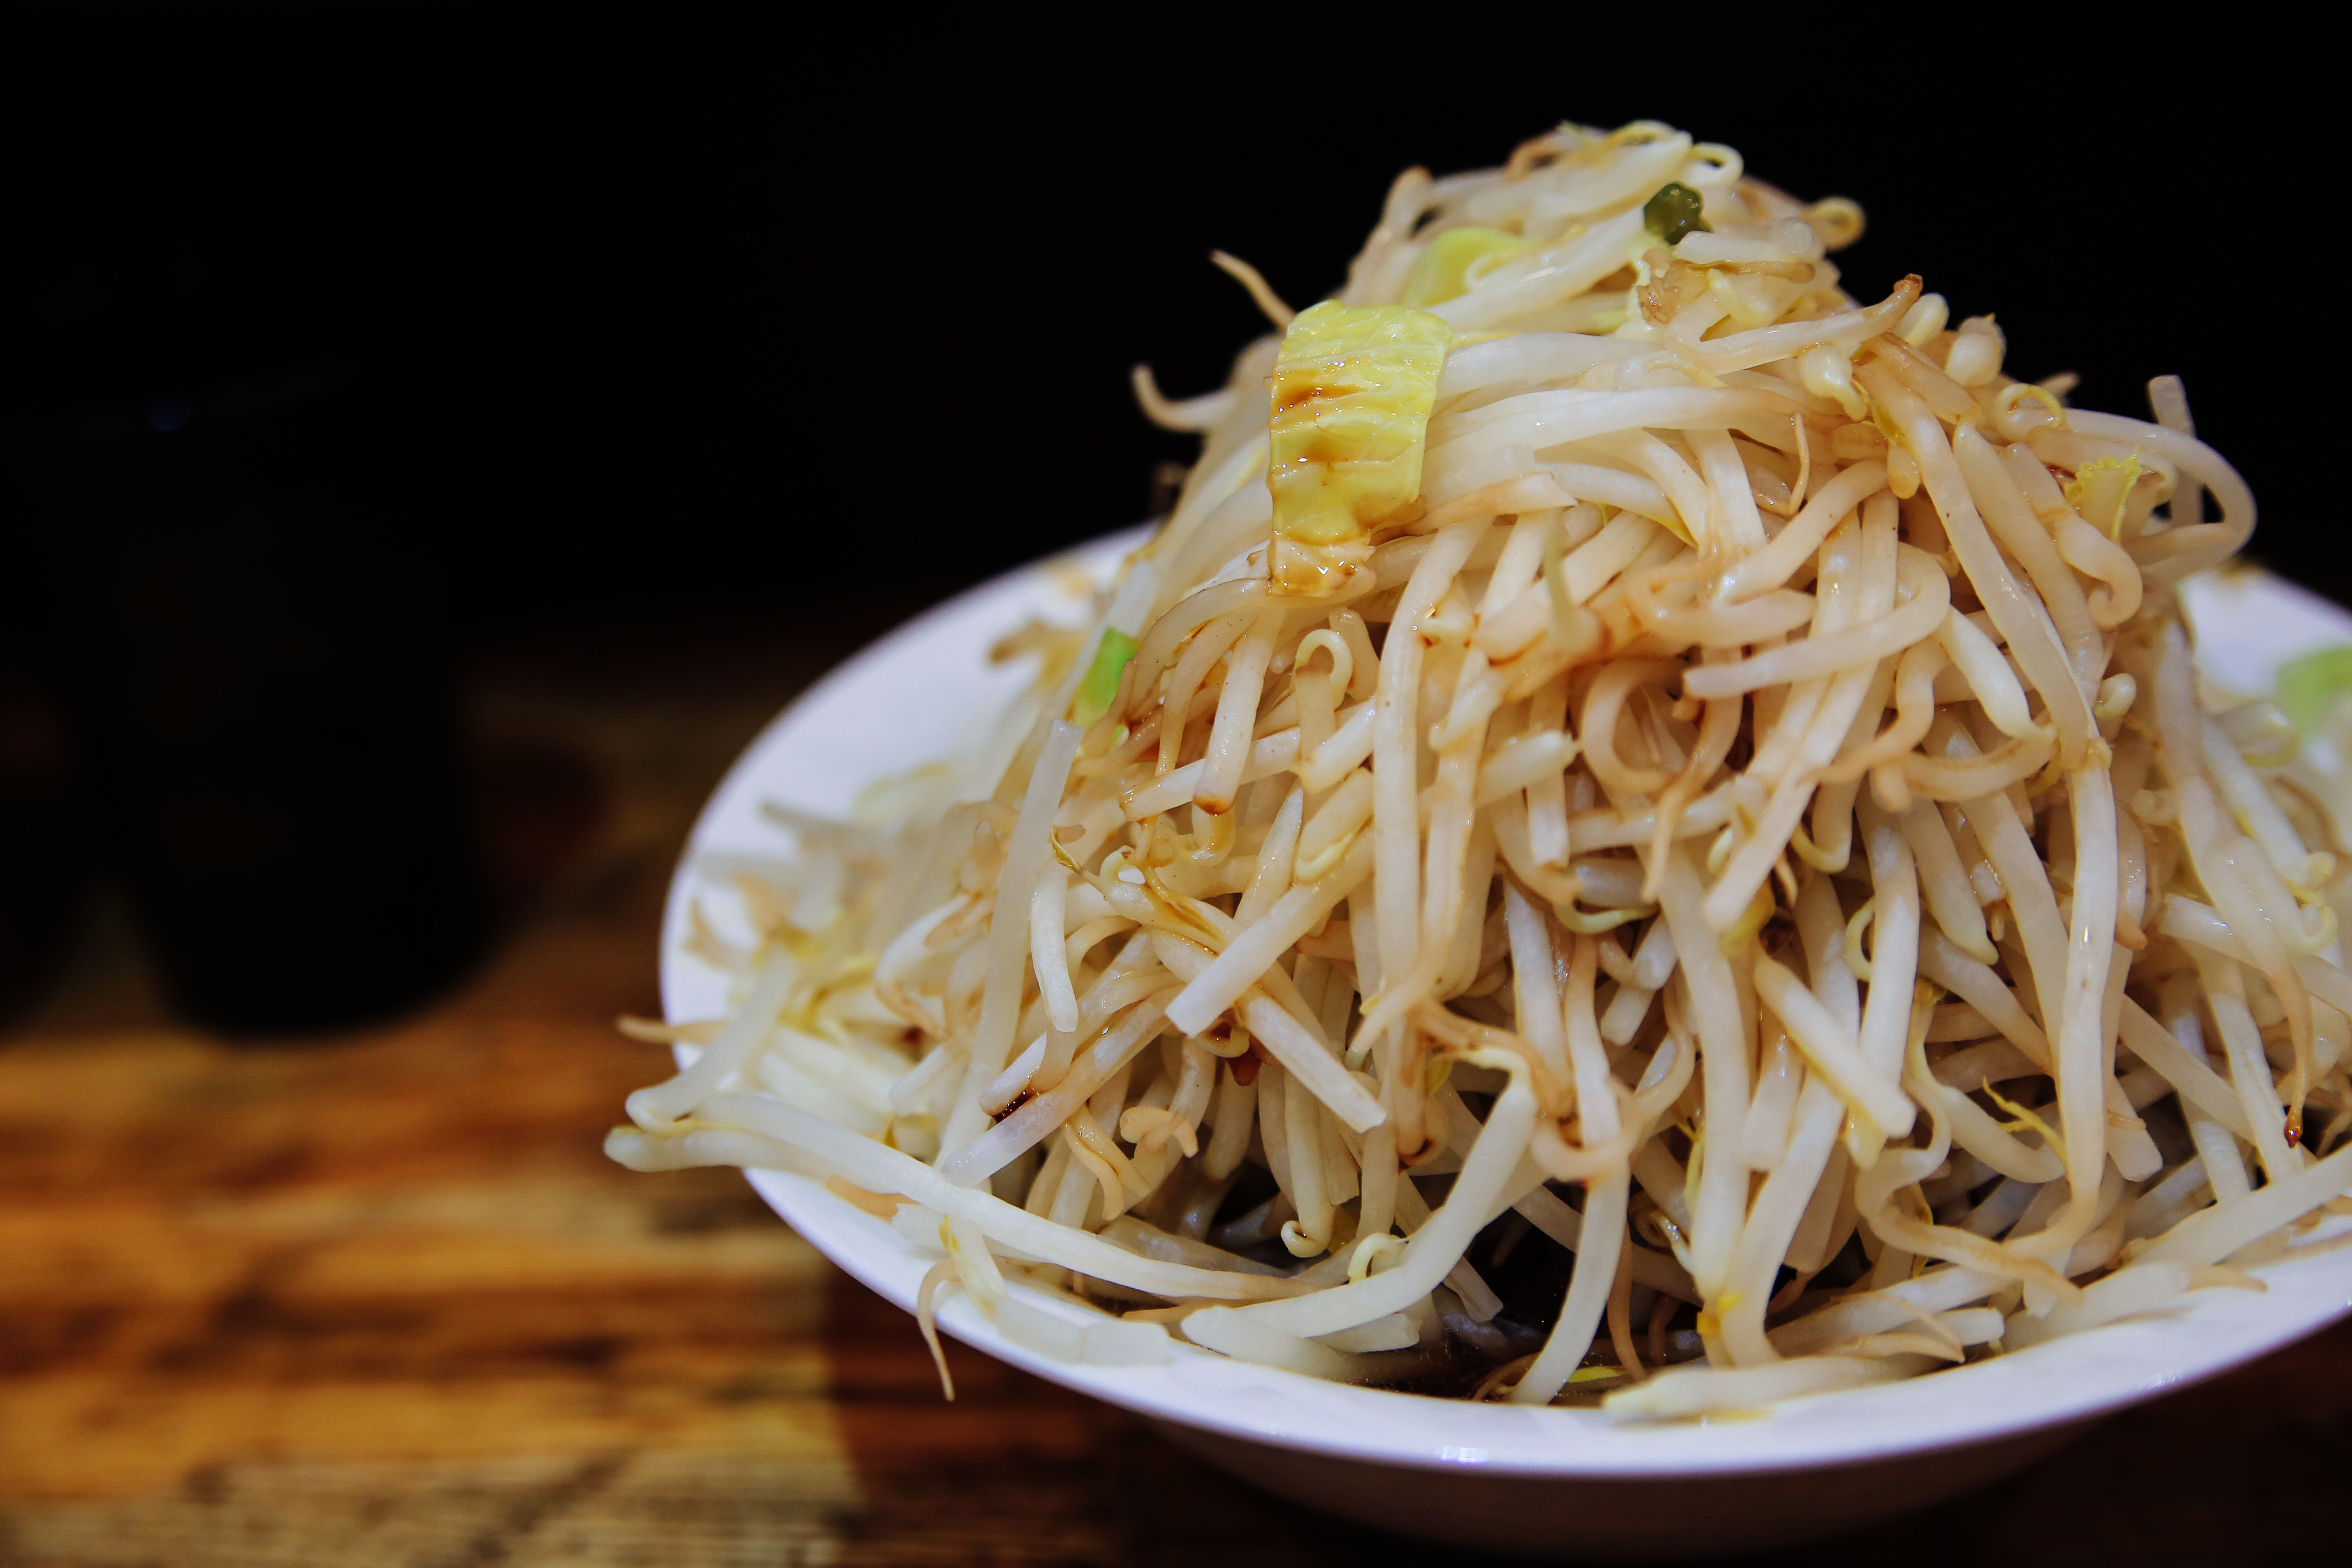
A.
pixel 380 1302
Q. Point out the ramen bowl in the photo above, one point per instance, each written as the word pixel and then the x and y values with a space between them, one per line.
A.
pixel 1566 1482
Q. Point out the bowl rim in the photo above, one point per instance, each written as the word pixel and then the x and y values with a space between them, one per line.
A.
pixel 822 746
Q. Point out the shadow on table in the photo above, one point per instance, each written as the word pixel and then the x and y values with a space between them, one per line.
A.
pixel 1018 1470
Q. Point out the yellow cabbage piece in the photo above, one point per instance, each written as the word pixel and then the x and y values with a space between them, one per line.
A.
pixel 2100 489
pixel 1442 271
pixel 2310 687
pixel 1352 393
pixel 1100 686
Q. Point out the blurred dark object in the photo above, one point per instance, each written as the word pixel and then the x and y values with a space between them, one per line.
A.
pixel 258 684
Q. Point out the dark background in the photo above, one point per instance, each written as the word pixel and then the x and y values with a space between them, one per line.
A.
pixel 662 311
pixel 342 349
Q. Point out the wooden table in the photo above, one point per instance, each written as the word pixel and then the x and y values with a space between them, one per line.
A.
pixel 380 1302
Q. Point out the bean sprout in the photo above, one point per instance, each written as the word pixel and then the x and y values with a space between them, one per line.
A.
pixel 1745 819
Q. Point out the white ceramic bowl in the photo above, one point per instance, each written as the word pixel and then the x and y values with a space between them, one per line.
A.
pixel 1566 1482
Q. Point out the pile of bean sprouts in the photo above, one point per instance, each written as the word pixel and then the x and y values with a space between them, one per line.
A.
pixel 1752 833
